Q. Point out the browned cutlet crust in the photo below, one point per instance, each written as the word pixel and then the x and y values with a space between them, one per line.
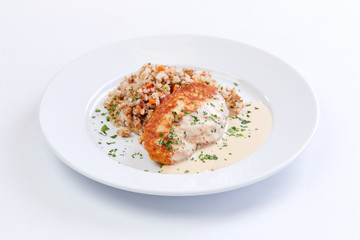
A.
pixel 190 97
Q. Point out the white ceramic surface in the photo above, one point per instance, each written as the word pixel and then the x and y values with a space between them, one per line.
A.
pixel 72 95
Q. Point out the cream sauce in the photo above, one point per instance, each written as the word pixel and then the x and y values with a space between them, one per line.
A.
pixel 200 128
pixel 241 139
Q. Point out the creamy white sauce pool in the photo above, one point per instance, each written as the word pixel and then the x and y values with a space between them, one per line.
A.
pixel 243 136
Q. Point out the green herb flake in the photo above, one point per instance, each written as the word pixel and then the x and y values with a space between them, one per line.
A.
pixel 104 129
pixel 204 157
pixel 161 134
pixel 134 99
pixel 236 84
pixel 186 171
pixel 212 104
pixel 108 118
pixel 114 136
pixel 211 117
pixel 161 142
pixel 97 110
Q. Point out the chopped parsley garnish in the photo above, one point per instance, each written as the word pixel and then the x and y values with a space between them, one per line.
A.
pixel 168 146
pixel 204 157
pixel 104 129
pixel 187 112
pixel 137 153
pixel 196 119
pixel 134 99
pixel 212 104
pixel 161 142
pixel 247 105
pixel 109 143
pixel 212 118
pixel 114 136
pixel 256 108
pixel 112 152
pixel 186 171
pixel 245 122
pixel 161 134
pixel 97 110
pixel 233 131
pixel 108 118
pixel 236 84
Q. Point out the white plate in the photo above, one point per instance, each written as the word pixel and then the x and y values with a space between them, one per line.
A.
pixel 70 99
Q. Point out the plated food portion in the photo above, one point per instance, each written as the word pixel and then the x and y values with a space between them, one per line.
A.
pixel 188 119
pixel 133 102
pixel 185 120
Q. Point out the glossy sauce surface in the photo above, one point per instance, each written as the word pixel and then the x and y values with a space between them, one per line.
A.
pixel 244 135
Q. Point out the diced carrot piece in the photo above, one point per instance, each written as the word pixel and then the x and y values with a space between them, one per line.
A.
pixel 149 85
pixel 152 101
pixel 161 68
pixel 138 110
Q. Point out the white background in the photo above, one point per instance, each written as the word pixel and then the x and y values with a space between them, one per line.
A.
pixel 317 197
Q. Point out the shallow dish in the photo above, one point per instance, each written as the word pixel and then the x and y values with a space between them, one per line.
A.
pixel 70 99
